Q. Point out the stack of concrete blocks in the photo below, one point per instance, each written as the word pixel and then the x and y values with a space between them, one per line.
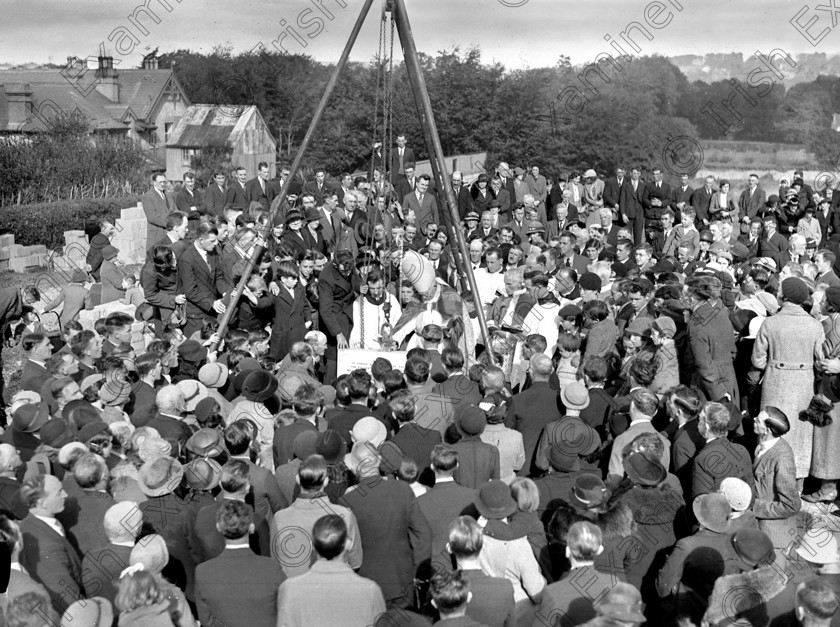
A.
pixel 130 238
pixel 19 258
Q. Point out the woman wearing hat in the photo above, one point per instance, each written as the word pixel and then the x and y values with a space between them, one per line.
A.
pixel 723 205
pixel 788 361
pixel 159 279
pixel 111 276
pixel 512 559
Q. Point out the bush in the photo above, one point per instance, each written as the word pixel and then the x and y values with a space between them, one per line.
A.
pixel 45 223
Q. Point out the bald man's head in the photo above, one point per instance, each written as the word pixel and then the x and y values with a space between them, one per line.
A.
pixel 493 379
pixel 541 367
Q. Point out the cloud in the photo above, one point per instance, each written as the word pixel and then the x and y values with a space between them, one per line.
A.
pixel 534 34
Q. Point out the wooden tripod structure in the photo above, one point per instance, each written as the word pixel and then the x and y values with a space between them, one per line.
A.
pixel 433 147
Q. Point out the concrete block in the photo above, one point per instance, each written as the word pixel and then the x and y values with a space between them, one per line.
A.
pixel 5 253
pixel 7 240
pixel 4 265
pixel 16 250
pixel 34 250
pixel 132 213
pixel 17 264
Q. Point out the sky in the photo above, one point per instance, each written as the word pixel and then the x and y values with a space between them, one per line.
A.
pixel 517 33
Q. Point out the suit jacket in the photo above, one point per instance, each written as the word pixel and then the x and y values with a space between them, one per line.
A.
pixel 570 600
pixel 238 588
pixel 284 438
pixel 464 201
pixel 331 227
pixel 33 376
pixel 101 570
pixel 663 192
pixel 424 214
pixel 396 538
pixel 83 518
pixel 776 492
pixel 718 460
pixel 214 200
pixel 237 196
pixel 202 282
pixel 320 597
pixel 612 191
pixel 173 518
pixel 748 205
pixel 157 209
pixel 680 195
pixel 441 505
pixel 478 462
pixel 403 187
pixel 579 263
pixel 685 446
pixel 413 442
pixel 111 277
pixel 184 200
pixel 492 602
pixel 528 413
pixel 207 543
pixel 255 192
pixel 10 502
pixel 460 390
pixel 666 245
pixel 398 161
pixel 630 201
pixel 695 564
pixel 317 192
pixel 51 560
pixel 20 584
pixel 701 200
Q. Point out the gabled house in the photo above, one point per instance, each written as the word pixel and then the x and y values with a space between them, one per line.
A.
pixel 142 103
pixel 205 124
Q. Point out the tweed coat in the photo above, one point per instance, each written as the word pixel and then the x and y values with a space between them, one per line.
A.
pixel 825 462
pixel 776 495
pixel 785 348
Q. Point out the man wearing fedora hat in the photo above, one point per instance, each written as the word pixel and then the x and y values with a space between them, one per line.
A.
pixel 767 585
pixel 479 462
pixel 168 514
pixel 569 433
pixel 564 469
pixel 643 407
pixel 690 572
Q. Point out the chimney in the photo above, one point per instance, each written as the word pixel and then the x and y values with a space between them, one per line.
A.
pixel 150 63
pixel 19 97
pixel 107 83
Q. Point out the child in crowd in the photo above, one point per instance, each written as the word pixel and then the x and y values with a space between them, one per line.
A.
pixel 133 291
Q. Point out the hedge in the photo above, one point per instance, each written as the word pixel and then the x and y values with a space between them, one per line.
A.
pixel 45 223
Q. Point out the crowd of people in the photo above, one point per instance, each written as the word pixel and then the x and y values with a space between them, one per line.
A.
pixel 631 442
